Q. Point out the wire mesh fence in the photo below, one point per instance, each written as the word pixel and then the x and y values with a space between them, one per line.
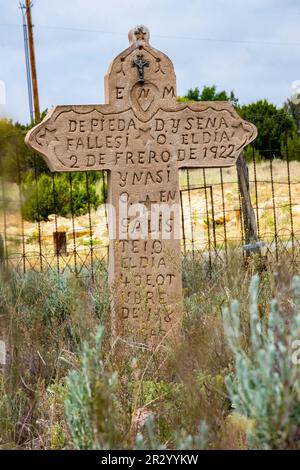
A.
pixel 62 224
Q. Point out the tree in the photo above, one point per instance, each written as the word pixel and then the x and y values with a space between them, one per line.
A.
pixel 16 158
pixel 40 200
pixel 273 125
pixel 20 165
pixel 293 109
pixel 209 93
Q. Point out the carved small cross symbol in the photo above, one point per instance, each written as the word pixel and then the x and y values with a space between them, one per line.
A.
pixel 140 63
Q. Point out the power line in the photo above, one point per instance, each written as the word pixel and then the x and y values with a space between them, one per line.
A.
pixel 187 38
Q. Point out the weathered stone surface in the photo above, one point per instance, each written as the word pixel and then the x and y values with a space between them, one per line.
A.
pixel 142 136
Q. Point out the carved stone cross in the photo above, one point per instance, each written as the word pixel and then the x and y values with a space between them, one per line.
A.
pixel 142 136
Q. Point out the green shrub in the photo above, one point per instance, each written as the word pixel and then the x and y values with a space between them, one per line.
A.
pixel 44 325
pixel 251 153
pixel 57 439
pixel 90 405
pixel 265 386
pixel 290 149
pixel 183 440
pixel 48 317
pixel 40 200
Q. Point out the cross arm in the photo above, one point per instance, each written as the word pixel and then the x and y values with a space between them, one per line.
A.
pixel 203 134
pixel 80 138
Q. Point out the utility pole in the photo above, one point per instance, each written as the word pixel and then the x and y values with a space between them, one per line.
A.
pixel 27 61
pixel 32 62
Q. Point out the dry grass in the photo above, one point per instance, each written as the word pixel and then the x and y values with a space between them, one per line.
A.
pixel 48 317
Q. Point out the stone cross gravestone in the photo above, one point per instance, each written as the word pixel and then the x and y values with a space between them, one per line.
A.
pixel 142 136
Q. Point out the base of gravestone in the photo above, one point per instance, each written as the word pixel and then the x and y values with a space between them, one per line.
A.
pixel 144 361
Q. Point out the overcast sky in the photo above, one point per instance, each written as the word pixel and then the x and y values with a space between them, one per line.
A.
pixel 249 46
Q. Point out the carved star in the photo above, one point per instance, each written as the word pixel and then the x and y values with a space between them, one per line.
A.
pixel 46 136
pixel 239 125
pixel 145 135
pixel 241 130
pixel 140 33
